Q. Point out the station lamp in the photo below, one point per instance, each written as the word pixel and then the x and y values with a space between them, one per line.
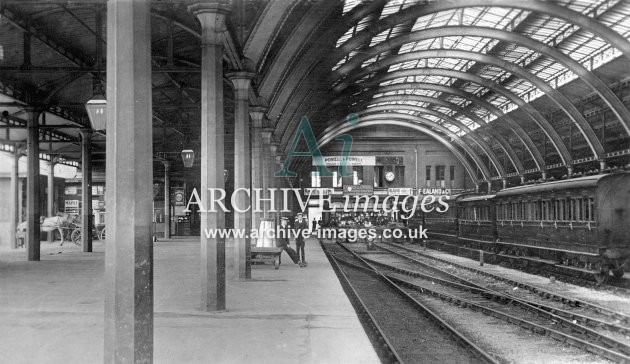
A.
pixel 188 156
pixel 97 111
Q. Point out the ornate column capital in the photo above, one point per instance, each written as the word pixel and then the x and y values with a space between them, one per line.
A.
pixel 242 81
pixel 167 165
pixel 257 113
pixel 266 135
pixel 211 15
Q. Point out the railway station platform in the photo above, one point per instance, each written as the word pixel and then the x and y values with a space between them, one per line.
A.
pixel 52 311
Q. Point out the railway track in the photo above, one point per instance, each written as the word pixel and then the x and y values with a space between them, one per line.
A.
pixel 608 316
pixel 401 328
pixel 562 272
pixel 588 332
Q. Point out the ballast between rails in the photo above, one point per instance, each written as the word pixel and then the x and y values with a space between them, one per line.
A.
pixel 614 350
pixel 539 291
pixel 386 348
pixel 543 311
pixel 459 337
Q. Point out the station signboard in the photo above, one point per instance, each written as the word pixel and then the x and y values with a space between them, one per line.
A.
pixel 70 190
pixel 71 206
pixel 317 191
pixel 434 191
pixel 404 191
pixel 179 197
pixel 358 190
pixel 357 160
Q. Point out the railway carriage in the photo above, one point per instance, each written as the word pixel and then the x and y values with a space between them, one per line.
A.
pixel 579 223
pixel 442 222
pixel 476 218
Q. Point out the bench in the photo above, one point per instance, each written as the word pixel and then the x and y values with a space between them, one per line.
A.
pixel 266 254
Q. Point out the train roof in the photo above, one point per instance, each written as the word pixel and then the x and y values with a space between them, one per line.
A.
pixel 461 195
pixel 580 182
pixel 476 198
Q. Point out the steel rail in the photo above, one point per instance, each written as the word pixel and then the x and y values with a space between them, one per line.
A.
pixel 459 337
pixel 529 305
pixel 534 289
pixel 386 349
pixel 614 349
pixel 540 329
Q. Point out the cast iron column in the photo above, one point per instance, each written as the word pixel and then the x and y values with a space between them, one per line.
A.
pixel 86 190
pixel 266 171
pixel 242 172
pixel 50 195
pixel 129 193
pixel 167 199
pixel 257 113
pixel 212 19
pixel 33 203
pixel 274 182
pixel 14 207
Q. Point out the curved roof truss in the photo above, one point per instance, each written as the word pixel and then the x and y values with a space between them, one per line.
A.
pixel 342 128
pixel 556 96
pixel 609 97
pixel 509 124
pixel 385 114
pixel 392 101
pixel 381 58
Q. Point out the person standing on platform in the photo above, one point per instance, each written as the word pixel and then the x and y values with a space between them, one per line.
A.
pixel 300 227
pixel 314 225
pixel 283 233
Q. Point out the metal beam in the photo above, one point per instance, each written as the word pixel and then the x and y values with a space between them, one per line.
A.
pixel 345 127
pixel 491 132
pixel 544 7
pixel 310 60
pixel 508 123
pixel 15 122
pixel 366 115
pixel 72 69
pixel 534 114
pixel 581 123
pixel 424 111
pixel 588 77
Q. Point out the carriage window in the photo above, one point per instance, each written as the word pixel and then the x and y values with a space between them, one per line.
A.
pixel 514 207
pixel 587 209
pixel 591 204
pixel 569 209
pixel 543 210
pixel 580 209
pixel 552 210
pixel 514 211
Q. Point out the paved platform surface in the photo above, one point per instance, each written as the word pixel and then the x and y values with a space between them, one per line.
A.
pixel 52 311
